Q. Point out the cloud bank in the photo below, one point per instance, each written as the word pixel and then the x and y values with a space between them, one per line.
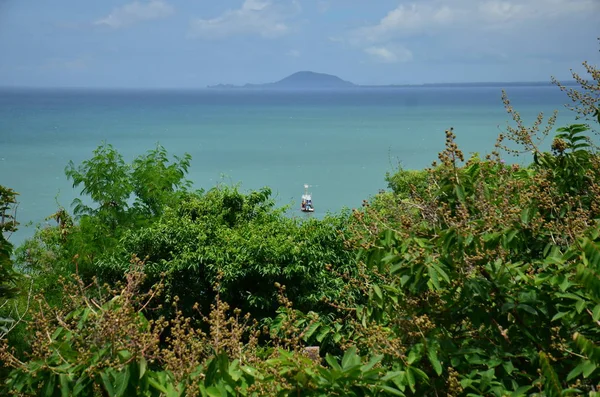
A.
pixel 137 11
pixel 480 30
pixel 265 18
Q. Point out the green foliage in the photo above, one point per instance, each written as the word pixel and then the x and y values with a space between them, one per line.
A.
pixel 123 197
pixel 407 183
pixel 110 182
pixel 106 179
pixel 103 345
pixel 8 224
pixel 492 275
pixel 191 238
pixel 242 242
pixel 552 385
pixel 154 180
pixel 570 162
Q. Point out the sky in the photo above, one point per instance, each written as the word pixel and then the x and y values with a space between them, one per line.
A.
pixel 194 43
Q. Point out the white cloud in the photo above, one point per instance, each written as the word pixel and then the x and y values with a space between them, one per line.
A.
pixel 428 16
pixel 466 25
pixel 293 53
pixel 136 12
pixel 265 18
pixel 408 19
pixel 500 11
pixel 389 54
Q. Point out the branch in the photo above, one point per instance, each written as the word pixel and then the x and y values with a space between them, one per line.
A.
pixel 20 317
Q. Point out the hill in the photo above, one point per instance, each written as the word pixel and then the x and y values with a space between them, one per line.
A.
pixel 300 80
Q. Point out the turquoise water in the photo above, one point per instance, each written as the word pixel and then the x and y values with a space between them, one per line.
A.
pixel 341 142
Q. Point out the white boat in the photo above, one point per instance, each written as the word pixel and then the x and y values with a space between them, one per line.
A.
pixel 307 204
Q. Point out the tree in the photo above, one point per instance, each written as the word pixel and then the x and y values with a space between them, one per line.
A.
pixel 106 179
pixel 154 180
pixel 8 224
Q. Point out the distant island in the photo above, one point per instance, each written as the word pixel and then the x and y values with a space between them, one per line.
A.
pixel 313 80
pixel 299 80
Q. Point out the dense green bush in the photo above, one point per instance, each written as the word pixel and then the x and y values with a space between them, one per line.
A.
pixel 246 243
pixel 100 343
pixel 8 224
pixel 407 183
pixel 487 281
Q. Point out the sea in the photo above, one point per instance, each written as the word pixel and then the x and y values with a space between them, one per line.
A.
pixel 341 143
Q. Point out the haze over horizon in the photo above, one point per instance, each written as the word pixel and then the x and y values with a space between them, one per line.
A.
pixel 178 44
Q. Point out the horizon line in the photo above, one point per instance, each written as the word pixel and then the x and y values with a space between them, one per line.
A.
pixel 266 86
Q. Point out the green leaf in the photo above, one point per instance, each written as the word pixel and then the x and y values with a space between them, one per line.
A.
pixel 420 374
pixel 333 362
pixel 337 337
pixel 108 385
pixel 559 315
pixel 412 357
pixel 433 359
pixel 391 390
pixel 323 333
pixel 441 272
pixel 253 372
pixel 49 385
pixel 551 384
pixel 143 365
pixel 509 236
pixel 596 313
pixel 565 284
pixel 508 366
pixel 372 362
pixel 64 385
pixel 378 292
pixel 587 347
pixel 350 358
pixel 122 381
pixel 83 318
pixel 525 216
pixel 527 308
pixel 410 378
pixel 393 375
pixel 588 368
pixel 311 330
pixel 81 385
pixel 214 391
pixel 433 276
pixel 575 372
pixel 158 384
pixel 521 391
pixel 460 193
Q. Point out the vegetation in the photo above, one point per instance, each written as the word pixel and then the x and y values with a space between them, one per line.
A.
pixel 8 224
pixel 474 277
pixel 8 276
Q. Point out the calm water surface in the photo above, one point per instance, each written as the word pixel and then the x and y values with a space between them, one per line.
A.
pixel 341 142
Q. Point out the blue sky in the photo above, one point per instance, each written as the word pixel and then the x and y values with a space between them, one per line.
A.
pixel 194 43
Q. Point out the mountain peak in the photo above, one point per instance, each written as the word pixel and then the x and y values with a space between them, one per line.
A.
pixel 300 80
pixel 308 79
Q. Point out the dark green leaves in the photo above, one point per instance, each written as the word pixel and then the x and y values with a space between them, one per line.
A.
pixel 8 224
pixel 106 179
